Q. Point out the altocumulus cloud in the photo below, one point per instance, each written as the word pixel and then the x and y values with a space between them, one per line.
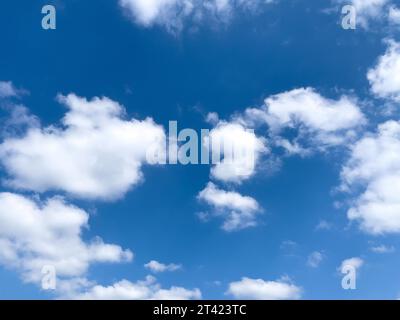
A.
pixel 259 289
pixel 94 154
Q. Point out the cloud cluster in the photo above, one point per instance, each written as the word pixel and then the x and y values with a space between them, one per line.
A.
pixel 320 122
pixel 374 166
pixel 95 154
pixel 259 289
pixel 239 212
pixel 148 289
pixel 173 13
pixel 36 233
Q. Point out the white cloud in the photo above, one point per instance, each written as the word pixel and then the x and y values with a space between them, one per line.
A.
pixel 240 151
pixel 34 234
pixel 239 212
pixel 18 121
pixel 157 267
pixel 173 13
pixel 382 249
pixel 7 90
pixel 141 290
pixel 384 78
pixel 94 154
pixel 394 15
pixel 323 225
pixel 367 10
pixel 354 262
pixel 374 166
pixel 259 289
pixel 212 118
pixel 321 121
pixel 315 259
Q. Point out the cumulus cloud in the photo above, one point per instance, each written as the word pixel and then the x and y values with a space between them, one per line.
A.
pixel 239 212
pixel 354 262
pixel 34 234
pixel 94 154
pixel 315 259
pixel 259 289
pixel 320 122
pixel 157 267
pixel 384 78
pixel 148 289
pixel 235 151
pixel 394 15
pixel 172 14
pixel 374 168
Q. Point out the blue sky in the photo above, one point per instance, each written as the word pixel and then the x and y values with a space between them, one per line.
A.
pixel 334 198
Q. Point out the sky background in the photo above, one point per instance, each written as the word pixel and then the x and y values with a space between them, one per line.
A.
pixel 208 66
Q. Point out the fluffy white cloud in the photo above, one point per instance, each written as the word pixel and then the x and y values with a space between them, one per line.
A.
pixel 354 262
pixel 94 154
pixel 34 234
pixel 384 78
pixel 367 10
pixel 259 289
pixel 322 121
pixel 239 212
pixel 141 290
pixel 374 166
pixel 315 259
pixel 157 267
pixel 394 15
pixel 235 151
pixel 172 13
